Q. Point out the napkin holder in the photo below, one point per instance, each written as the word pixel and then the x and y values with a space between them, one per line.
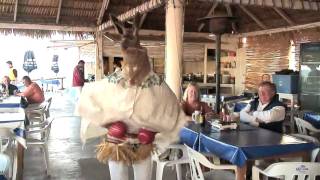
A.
pixel 224 126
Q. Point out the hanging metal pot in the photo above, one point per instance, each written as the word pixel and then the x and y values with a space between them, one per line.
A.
pixel 29 64
pixel 55 66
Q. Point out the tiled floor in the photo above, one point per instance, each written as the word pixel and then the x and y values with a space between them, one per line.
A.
pixel 68 160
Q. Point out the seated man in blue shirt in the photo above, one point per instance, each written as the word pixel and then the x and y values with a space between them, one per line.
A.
pixel 266 111
pixel 7 86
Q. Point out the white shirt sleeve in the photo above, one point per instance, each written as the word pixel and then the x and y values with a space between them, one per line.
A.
pixel 245 115
pixel 277 113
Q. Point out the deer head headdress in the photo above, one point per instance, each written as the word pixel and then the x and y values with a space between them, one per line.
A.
pixel 136 64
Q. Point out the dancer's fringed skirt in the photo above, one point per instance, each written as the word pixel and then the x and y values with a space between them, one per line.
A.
pixel 124 152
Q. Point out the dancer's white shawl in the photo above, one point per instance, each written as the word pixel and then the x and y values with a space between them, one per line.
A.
pixel 152 105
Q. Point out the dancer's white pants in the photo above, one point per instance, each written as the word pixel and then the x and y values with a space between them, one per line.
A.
pixel 142 170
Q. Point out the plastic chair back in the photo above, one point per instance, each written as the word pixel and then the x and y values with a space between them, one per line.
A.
pixel 293 170
pixel 304 127
pixel 47 107
pixel 47 128
pixel 173 160
pixel 314 140
pixel 197 158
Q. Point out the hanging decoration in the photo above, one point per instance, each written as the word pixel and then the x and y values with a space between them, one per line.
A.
pixel 55 66
pixel 29 64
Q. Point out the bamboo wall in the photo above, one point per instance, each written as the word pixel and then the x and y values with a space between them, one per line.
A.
pixel 265 55
pixel 270 53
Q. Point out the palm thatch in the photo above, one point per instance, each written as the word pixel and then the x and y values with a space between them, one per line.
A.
pixel 62 14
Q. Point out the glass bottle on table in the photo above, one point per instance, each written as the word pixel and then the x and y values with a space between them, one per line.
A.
pixel 202 117
pixel 225 114
pixel 6 91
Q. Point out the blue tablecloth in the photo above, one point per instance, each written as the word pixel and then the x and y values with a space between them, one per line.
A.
pixel 239 106
pixel 10 105
pixel 13 116
pixel 313 118
pixel 238 146
pixel 52 81
pixel 190 136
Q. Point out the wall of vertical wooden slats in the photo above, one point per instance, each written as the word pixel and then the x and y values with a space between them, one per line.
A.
pixel 269 53
pixel 265 55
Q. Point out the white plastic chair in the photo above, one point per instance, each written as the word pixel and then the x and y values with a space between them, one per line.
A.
pixel 314 140
pixel 39 114
pixel 8 154
pixel 42 142
pixel 216 171
pixel 289 171
pixel 161 164
pixel 304 127
pixel 5 164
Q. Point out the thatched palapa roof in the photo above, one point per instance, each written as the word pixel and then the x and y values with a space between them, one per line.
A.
pixel 43 17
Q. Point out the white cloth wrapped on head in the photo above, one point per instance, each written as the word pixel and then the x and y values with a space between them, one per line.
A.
pixel 152 105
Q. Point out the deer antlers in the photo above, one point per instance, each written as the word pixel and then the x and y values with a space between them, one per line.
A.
pixel 136 64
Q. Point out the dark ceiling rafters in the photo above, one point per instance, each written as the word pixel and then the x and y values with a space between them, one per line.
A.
pixel 15 11
pixel 103 9
pixel 211 12
pixel 285 16
pixel 284 4
pixel 272 15
pixel 59 11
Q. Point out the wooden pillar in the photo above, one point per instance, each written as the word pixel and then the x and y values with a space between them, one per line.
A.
pixel 205 63
pixel 174 45
pixel 111 60
pixel 99 56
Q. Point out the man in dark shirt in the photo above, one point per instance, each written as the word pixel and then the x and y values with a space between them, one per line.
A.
pixel 7 86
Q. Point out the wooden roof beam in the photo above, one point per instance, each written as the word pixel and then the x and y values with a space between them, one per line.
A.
pixel 284 16
pixel 15 11
pixel 142 19
pixel 283 4
pixel 143 32
pixel 103 9
pixel 143 8
pixel 278 30
pixel 109 37
pixel 254 17
pixel 46 27
pixel 59 11
pixel 229 11
pixel 211 12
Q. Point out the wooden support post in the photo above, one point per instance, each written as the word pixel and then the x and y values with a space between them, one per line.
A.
pixel 174 45
pixel 205 63
pixel 99 56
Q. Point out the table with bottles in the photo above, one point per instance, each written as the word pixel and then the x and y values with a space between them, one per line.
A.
pixel 243 144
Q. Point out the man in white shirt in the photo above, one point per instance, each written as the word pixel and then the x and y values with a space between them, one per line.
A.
pixel 266 111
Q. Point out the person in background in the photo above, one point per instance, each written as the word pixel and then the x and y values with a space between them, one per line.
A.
pixel 265 77
pixel 13 73
pixel 191 101
pixel 6 86
pixel 117 66
pixel 32 92
pixel 266 111
pixel 78 75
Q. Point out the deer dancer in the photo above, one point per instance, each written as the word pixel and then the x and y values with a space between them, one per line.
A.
pixel 133 109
